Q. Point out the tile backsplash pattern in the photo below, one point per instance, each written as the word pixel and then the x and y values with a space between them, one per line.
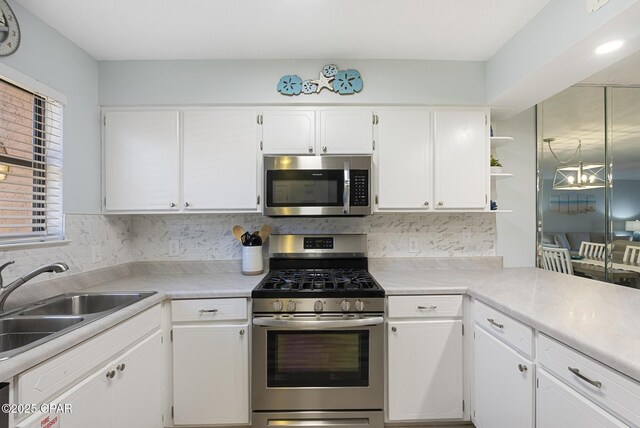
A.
pixel 111 234
pixel 208 236
pixel 123 239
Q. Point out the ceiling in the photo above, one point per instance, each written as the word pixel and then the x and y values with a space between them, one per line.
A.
pixel 287 29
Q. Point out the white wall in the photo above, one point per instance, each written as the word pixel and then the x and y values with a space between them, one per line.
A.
pixel 516 231
pixel 45 55
pixel 255 81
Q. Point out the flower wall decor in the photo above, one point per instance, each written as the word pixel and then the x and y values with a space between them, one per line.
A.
pixel 343 82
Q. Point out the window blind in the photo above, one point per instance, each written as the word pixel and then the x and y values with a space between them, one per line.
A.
pixel 30 166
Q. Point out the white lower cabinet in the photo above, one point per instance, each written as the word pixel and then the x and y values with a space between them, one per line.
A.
pixel 503 384
pixel 210 366
pixel 557 405
pixel 425 358
pixel 127 392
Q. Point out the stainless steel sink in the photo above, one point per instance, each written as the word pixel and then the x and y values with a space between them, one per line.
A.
pixel 24 328
pixel 21 331
pixel 83 304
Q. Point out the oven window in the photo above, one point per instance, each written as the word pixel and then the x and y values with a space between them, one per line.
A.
pixel 306 188
pixel 317 358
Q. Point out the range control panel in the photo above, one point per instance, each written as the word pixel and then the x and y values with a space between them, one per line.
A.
pixel 359 188
pixel 318 243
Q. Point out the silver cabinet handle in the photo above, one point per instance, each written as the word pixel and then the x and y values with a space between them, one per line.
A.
pixel 394 329
pixel 242 332
pixel 576 372
pixel 426 204
pixel 310 149
pixel 111 374
pixel 208 311
pixel 440 204
pixel 172 205
pixel 324 149
pixel 187 204
pixel 424 308
pixel 120 367
pixel 491 320
pixel 522 368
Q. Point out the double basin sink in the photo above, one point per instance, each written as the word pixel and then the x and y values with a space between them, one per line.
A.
pixel 29 326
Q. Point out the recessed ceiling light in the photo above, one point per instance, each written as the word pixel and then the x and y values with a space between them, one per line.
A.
pixel 609 47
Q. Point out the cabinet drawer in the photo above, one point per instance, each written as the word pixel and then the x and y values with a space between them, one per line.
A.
pixel 515 333
pixel 58 373
pixel 601 384
pixel 208 310
pixel 425 306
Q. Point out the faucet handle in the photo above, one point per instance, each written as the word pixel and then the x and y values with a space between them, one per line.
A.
pixel 2 268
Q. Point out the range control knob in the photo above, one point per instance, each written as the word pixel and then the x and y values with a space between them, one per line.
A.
pixel 317 306
pixel 359 305
pixel 345 305
pixel 277 305
pixel 291 306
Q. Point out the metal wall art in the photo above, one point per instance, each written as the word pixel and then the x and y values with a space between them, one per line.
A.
pixel 343 82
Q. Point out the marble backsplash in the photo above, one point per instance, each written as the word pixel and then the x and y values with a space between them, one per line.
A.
pixel 202 237
pixel 208 236
pixel 110 234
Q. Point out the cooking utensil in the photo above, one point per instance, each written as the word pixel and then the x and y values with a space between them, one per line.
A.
pixel 256 240
pixel 245 239
pixel 265 231
pixel 238 231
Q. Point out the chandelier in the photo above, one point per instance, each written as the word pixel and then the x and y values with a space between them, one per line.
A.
pixel 576 176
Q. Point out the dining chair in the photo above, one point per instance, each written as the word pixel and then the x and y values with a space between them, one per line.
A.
pixel 557 260
pixel 592 250
pixel 631 254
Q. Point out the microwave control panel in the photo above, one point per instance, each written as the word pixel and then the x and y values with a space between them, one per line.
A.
pixel 359 188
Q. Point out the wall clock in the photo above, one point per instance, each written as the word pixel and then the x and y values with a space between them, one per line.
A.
pixel 9 30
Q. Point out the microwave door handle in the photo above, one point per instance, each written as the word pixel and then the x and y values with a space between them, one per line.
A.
pixel 346 194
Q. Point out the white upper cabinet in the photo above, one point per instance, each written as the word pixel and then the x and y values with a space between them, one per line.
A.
pixel 220 149
pixel 403 160
pixel 461 159
pixel 289 132
pixel 141 161
pixel 346 132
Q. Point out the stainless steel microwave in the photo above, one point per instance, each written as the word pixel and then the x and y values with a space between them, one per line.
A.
pixel 317 185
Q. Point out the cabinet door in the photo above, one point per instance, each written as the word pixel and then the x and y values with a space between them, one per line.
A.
pixel 503 387
pixel 425 370
pixel 210 374
pixel 557 405
pixel 141 160
pixel 346 132
pixel 139 374
pixel 90 401
pixel 289 132
pixel 220 160
pixel 461 159
pixel 404 159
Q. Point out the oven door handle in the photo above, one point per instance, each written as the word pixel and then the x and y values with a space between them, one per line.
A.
pixel 317 325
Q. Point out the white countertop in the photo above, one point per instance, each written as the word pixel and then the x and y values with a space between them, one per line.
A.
pixel 599 319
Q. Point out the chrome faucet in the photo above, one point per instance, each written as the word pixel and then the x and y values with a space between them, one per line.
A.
pixel 6 290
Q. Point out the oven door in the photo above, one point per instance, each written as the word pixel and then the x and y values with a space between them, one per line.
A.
pixel 309 362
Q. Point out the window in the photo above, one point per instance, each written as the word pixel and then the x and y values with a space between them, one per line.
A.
pixel 30 166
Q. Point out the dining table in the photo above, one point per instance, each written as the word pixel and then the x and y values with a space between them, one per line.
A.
pixel 621 272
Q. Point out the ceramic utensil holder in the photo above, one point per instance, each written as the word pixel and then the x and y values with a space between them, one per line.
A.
pixel 252 263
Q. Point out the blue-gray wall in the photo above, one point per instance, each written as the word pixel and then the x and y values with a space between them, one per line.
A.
pixel 45 55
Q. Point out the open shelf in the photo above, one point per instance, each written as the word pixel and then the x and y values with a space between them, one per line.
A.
pixel 501 174
pixel 499 141
pixel 501 211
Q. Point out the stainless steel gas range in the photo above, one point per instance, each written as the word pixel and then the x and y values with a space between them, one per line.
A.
pixel 318 335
